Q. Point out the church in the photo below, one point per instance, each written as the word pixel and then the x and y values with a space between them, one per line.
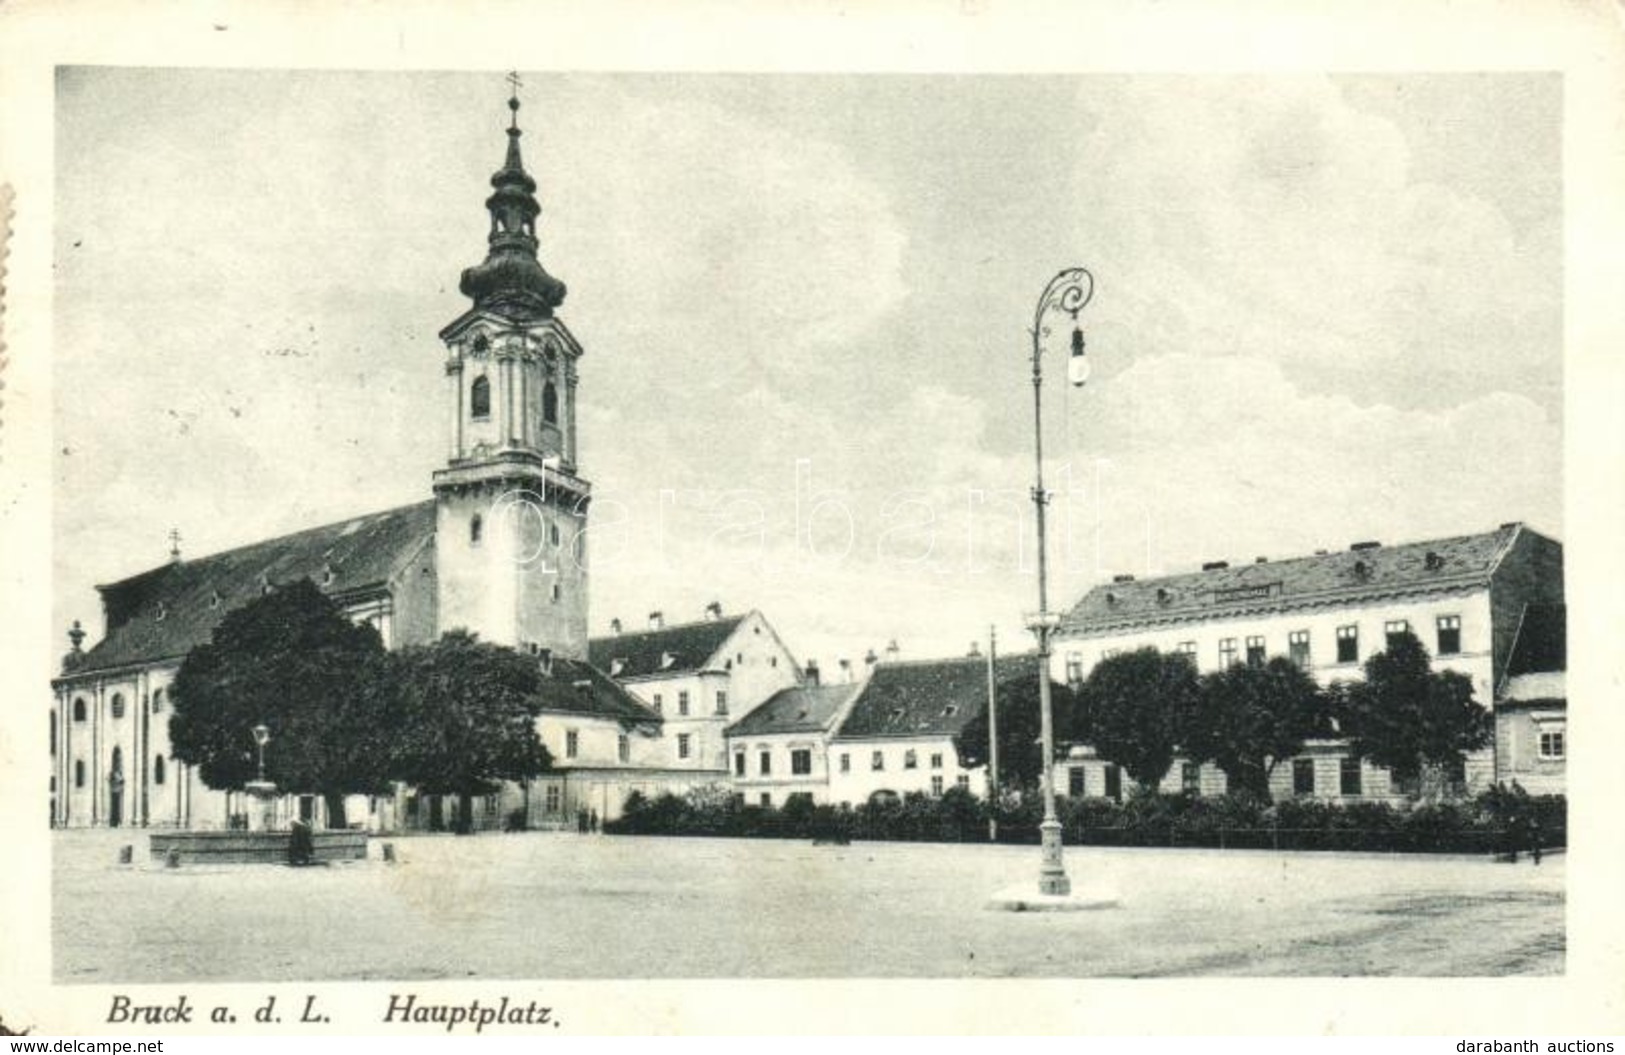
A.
pixel 498 548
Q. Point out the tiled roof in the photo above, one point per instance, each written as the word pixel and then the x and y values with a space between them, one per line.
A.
pixel 933 697
pixel 1542 644
pixel 170 610
pixel 1343 577
pixel 798 709
pixel 573 687
pixel 666 652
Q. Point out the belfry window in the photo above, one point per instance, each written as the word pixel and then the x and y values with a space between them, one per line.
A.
pixel 79 708
pixel 550 404
pixel 118 705
pixel 479 398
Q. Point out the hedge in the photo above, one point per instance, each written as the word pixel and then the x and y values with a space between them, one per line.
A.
pixel 1497 821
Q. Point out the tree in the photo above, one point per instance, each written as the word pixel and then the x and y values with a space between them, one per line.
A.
pixel 1250 718
pixel 1021 755
pixel 466 718
pixel 1134 706
pixel 293 661
pixel 1414 720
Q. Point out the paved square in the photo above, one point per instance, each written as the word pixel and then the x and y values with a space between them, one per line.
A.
pixel 583 907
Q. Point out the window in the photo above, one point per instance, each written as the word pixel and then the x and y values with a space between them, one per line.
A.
pixel 1303 776
pixel 479 398
pixel 572 743
pixel 682 745
pixel 1449 635
pixel 767 800
pixel 1348 644
pixel 1190 778
pixel 1348 776
pixel 158 770
pixel 722 701
pixel 1187 648
pixel 558 592
pixel 877 761
pixel 936 787
pixel 1297 648
pixel 764 763
pixel 1114 783
pixel 1255 651
pixel 657 702
pixel 552 799
pixel 1552 745
pixel 962 781
pixel 79 773
pixel 910 759
pixel 550 403
pixel 118 705
pixel 1108 653
pixel 623 748
pixel 1074 782
pixel 801 761
pixel 936 760
pixel 739 763
pixel 846 762
pixel 476 529
pixel 1074 667
pixel 79 709
pixel 1227 653
pixel 1393 628
pixel 53 733
pixel 157 701
pixel 682 702
pixel 553 535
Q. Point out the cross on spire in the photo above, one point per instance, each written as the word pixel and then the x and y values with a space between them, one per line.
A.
pixel 174 544
pixel 513 99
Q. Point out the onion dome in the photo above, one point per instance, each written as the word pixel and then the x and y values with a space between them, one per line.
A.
pixel 511 280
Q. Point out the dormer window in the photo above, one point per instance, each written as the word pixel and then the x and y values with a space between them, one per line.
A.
pixel 327 575
pixel 1362 570
pixel 214 598
pixel 1164 595
pixel 479 398
pixel 162 611
pixel 948 711
pixel 666 660
pixel 1435 561
pixel 616 666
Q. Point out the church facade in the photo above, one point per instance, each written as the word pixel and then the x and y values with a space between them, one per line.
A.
pixel 499 549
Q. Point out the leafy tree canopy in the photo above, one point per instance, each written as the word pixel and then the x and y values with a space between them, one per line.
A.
pixel 1252 717
pixel 1407 716
pixel 1134 707
pixel 1021 755
pixel 467 717
pixel 290 660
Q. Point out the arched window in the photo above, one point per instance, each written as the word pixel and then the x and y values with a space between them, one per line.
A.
pixel 158 770
pixel 79 773
pixel 157 701
pixel 476 529
pixel 118 705
pixel 550 404
pixel 479 397
pixel 78 708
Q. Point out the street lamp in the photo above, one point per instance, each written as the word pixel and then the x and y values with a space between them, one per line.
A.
pixel 262 736
pixel 1068 291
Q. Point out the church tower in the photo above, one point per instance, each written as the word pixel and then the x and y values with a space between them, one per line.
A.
pixel 510 543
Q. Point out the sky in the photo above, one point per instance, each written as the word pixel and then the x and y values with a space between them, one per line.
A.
pixel 1325 310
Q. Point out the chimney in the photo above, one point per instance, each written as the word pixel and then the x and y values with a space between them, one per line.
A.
pixel 1122 578
pixel 870 658
pixel 975 650
pixel 1261 560
pixel 812 673
pixel 713 611
pixel 892 651
pixel 657 621
pixel 544 659
pixel 1361 547
pixel 846 670
pixel 615 627
pixel 1216 565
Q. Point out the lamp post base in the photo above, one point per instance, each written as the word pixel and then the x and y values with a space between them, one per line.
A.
pixel 1052 880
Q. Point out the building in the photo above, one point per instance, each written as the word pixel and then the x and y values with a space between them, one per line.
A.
pixel 698 676
pixel 781 748
pixel 898 732
pixel 1487 605
pixel 497 548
